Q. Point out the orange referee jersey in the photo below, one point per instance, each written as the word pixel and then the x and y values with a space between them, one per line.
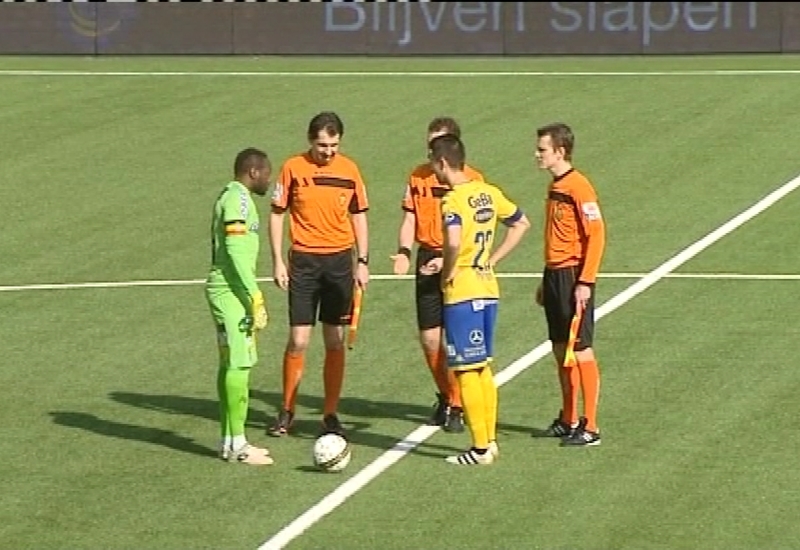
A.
pixel 423 197
pixel 320 200
pixel 574 227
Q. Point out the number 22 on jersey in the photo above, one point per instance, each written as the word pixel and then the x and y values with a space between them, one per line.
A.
pixel 483 242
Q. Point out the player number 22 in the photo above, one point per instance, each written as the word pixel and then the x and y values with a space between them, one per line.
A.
pixel 484 241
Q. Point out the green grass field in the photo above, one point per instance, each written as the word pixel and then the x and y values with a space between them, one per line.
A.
pixel 109 407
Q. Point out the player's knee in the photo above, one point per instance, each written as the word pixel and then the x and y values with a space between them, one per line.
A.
pixel 585 355
pixel 431 339
pixel 334 342
pixel 296 346
pixel 333 337
pixel 299 339
pixel 559 351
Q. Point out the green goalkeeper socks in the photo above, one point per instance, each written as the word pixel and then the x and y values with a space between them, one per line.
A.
pixel 237 398
pixel 222 395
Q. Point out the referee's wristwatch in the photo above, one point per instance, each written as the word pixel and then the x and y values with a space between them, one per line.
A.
pixel 364 259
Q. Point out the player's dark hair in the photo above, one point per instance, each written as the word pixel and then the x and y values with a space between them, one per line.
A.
pixel 327 121
pixel 561 136
pixel 247 159
pixel 449 148
pixel 446 124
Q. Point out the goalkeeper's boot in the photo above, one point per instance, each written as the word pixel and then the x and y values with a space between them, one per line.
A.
pixel 494 449
pixel 472 458
pixel 251 455
pixel 454 420
pixel 439 416
pixel 582 438
pixel 282 424
pixel 331 425
pixel 225 452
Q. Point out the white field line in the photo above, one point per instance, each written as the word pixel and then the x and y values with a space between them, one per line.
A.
pixel 361 478
pixel 389 277
pixel 436 74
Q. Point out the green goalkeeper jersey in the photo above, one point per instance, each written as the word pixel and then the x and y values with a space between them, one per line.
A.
pixel 234 243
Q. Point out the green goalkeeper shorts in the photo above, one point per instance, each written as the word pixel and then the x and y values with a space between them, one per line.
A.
pixel 235 336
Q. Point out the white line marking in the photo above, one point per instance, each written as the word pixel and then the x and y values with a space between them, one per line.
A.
pixel 359 480
pixel 351 74
pixel 390 277
pixel 736 276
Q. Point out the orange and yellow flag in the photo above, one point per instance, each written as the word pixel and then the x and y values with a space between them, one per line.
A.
pixel 574 327
pixel 355 316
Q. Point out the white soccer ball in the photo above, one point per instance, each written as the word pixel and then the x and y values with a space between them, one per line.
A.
pixel 331 453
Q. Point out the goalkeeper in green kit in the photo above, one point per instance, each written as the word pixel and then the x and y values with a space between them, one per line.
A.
pixel 237 305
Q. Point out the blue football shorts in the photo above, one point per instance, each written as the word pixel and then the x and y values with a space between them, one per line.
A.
pixel 469 333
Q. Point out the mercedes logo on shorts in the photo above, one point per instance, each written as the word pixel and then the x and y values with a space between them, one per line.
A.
pixel 475 337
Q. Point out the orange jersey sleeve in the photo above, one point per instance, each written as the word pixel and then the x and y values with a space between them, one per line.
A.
pixel 574 226
pixel 281 195
pixel 408 199
pixel 423 197
pixel 320 200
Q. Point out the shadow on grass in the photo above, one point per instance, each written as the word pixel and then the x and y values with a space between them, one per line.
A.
pixel 132 432
pixel 357 428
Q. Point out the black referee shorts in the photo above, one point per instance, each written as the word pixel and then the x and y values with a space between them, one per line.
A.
pixel 428 292
pixel 320 284
pixel 558 287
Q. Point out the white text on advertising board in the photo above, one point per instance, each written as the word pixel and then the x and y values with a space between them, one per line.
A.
pixel 405 21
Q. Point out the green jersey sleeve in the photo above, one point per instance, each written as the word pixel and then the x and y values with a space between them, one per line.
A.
pixel 240 220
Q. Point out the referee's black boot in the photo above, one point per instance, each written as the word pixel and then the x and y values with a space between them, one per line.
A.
pixel 455 420
pixel 331 424
pixel 439 416
pixel 282 424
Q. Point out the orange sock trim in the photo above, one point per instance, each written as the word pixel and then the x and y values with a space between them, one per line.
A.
pixel 333 377
pixel 590 387
pixel 293 363
pixel 434 360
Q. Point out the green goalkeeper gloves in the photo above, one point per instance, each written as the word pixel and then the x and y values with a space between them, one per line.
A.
pixel 259 311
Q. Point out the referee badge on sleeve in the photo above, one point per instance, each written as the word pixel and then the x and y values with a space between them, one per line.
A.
pixel 591 210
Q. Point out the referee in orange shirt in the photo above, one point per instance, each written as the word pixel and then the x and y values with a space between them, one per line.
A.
pixel 422 223
pixel 574 246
